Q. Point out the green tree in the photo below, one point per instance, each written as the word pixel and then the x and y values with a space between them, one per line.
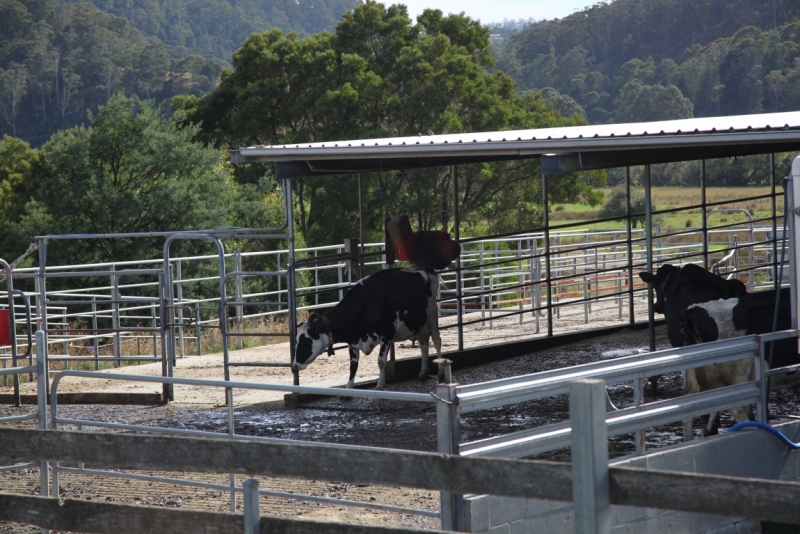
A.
pixel 16 160
pixel 378 75
pixel 130 170
pixel 616 206
pixel 13 88
pixel 639 103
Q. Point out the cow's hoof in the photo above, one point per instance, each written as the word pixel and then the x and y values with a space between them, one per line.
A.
pixel 712 432
pixel 380 387
pixel 422 376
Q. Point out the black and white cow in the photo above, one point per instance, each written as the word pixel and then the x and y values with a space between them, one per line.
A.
pixel 676 289
pixel 390 305
pixel 752 313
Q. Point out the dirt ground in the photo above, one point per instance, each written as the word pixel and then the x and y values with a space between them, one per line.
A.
pixel 359 421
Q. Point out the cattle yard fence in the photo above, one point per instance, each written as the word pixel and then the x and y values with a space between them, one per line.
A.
pixel 154 311
pixel 487 468
pixel 452 401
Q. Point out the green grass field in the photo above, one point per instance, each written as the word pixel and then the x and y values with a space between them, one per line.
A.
pixel 676 197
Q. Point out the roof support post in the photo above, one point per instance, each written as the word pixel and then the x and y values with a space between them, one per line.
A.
pixel 631 315
pixel 776 283
pixel 291 296
pixel 793 193
pixel 704 207
pixel 548 280
pixel 648 216
pixel 360 229
pixel 457 236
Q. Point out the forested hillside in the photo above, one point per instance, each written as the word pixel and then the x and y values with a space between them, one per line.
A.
pixel 58 59
pixel 634 60
pixel 215 28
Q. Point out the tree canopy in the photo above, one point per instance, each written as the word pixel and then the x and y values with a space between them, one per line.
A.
pixel 381 75
pixel 130 170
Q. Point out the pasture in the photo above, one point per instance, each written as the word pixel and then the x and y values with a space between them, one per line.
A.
pixel 677 197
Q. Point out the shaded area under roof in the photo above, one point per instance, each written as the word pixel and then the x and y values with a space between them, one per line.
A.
pixel 564 149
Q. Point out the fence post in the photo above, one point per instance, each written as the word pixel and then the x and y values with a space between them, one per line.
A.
pixel 41 394
pixel 179 290
pixel 448 426
pixel 237 266
pixel 252 516
pixel 589 439
pixel 115 321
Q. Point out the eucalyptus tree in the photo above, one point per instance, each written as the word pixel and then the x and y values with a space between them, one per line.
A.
pixel 378 75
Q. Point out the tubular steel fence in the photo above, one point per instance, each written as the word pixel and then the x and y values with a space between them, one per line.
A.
pixel 70 452
pixel 500 279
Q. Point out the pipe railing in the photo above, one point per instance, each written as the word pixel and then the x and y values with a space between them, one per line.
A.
pixel 586 267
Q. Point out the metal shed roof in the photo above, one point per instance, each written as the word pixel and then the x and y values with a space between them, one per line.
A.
pixel 563 149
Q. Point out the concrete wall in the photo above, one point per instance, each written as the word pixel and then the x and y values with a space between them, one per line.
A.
pixel 751 453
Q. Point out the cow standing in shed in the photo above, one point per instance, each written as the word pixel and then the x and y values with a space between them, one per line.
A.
pixel 676 289
pixel 390 305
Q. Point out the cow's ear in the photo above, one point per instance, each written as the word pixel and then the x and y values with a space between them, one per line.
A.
pixel 313 317
pixel 650 278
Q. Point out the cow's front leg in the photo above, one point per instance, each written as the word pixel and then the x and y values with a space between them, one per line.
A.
pixel 386 344
pixel 354 354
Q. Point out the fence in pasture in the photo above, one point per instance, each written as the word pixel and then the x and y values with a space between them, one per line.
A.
pixel 154 311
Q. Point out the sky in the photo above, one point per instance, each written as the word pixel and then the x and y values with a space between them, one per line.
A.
pixel 497 10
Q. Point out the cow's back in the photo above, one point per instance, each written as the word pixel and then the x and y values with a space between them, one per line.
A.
pixel 410 298
pixel 381 302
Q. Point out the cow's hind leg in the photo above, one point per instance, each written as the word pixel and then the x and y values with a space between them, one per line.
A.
pixel 433 326
pixel 423 348
pixel 386 344
pixel 354 354
pixel 712 428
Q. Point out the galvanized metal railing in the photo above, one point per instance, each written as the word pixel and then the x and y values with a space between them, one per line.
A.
pixel 470 398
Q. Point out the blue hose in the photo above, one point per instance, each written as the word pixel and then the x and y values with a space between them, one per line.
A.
pixel 763 426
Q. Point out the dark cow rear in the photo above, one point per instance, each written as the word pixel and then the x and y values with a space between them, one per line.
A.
pixel 752 313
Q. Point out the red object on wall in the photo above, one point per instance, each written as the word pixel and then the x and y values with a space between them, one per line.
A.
pixel 5 334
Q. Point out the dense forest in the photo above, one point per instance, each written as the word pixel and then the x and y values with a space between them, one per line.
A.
pixel 639 60
pixel 58 59
pixel 214 29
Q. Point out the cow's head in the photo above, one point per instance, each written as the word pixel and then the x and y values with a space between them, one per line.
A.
pixel 660 282
pixel 312 340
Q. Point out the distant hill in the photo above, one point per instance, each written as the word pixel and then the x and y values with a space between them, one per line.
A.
pixel 215 28
pixel 634 60
pixel 58 59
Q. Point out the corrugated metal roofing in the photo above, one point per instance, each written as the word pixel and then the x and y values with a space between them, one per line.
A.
pixel 764 133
